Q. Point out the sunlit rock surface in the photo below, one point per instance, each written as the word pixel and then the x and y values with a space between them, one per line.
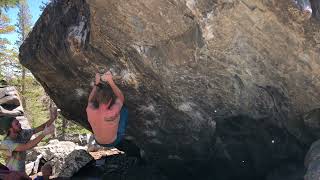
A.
pixel 65 157
pixel 11 106
pixel 222 84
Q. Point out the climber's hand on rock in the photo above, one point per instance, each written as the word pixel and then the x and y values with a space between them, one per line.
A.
pixel 107 77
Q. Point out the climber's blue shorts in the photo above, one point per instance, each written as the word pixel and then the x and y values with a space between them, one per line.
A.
pixel 121 129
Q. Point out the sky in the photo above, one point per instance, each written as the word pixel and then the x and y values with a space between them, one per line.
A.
pixel 34 7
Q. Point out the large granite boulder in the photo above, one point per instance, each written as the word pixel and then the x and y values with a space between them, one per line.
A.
pixel 11 105
pixel 316 8
pixel 65 157
pixel 223 81
pixel 312 162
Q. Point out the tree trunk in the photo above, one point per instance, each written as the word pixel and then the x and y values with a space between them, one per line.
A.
pixel 23 88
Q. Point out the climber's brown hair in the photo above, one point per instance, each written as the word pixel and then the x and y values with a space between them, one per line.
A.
pixel 104 95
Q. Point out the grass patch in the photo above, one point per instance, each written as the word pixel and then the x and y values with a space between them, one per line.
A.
pixel 37 111
pixel 37 103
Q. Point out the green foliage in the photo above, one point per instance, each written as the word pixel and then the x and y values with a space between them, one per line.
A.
pixel 2 79
pixel 37 110
pixel 24 24
pixel 44 5
pixel 72 128
pixel 23 28
pixel 76 129
pixel 8 3
pixel 5 26
pixel 37 103
pixel 8 57
pixel 9 64
pixel 1 158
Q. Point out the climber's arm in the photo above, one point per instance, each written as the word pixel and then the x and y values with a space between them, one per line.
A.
pixel 94 89
pixel 29 145
pixel 53 117
pixel 92 94
pixel 32 143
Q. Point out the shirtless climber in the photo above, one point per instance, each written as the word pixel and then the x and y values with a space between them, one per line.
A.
pixel 105 111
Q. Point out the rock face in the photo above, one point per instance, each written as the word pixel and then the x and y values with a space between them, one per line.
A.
pixel 65 157
pixel 223 81
pixel 316 8
pixel 311 162
pixel 118 167
pixel 11 106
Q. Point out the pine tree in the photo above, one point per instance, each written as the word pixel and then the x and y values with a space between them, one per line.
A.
pixel 23 28
pixel 5 28
pixel 8 3
pixel 6 55
pixel 45 4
